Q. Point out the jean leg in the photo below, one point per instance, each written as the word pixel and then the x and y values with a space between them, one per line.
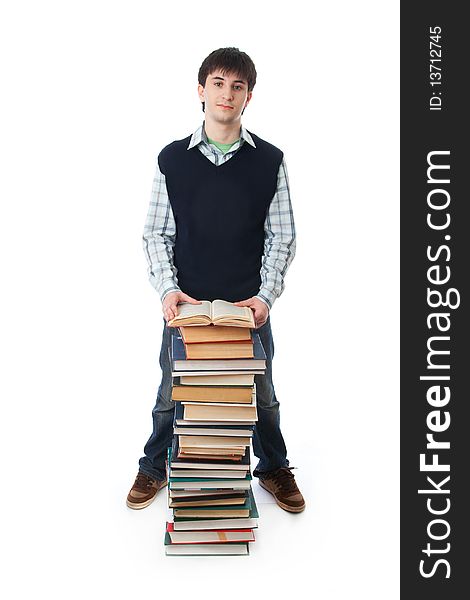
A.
pixel 268 443
pixel 155 450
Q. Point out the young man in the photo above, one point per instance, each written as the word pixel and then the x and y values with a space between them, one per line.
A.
pixel 220 225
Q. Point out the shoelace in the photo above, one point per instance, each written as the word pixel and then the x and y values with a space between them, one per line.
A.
pixel 284 479
pixel 143 482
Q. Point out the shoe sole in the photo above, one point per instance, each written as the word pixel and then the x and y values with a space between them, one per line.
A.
pixel 139 505
pixel 292 509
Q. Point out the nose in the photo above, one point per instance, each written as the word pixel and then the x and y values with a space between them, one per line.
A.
pixel 227 93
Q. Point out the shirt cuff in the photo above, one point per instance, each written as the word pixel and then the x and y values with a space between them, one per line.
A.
pixel 266 297
pixel 168 291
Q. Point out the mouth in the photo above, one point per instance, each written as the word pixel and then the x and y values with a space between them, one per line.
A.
pixel 225 106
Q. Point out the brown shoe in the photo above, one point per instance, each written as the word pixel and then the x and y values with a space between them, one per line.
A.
pixel 143 491
pixel 281 484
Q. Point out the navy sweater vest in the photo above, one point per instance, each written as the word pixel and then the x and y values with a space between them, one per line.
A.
pixel 220 214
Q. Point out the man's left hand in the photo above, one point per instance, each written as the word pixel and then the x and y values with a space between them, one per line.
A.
pixel 259 308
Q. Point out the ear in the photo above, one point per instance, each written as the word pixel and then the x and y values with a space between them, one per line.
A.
pixel 248 98
pixel 200 91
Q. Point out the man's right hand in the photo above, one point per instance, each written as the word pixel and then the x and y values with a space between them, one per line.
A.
pixel 171 300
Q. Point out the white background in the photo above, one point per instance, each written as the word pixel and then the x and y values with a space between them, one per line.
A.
pixel 91 92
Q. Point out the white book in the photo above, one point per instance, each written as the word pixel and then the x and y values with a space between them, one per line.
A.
pixel 230 484
pixel 182 422
pixel 241 523
pixel 209 473
pixel 222 432
pixel 208 441
pixel 200 493
pixel 206 549
pixel 243 380
pixel 204 373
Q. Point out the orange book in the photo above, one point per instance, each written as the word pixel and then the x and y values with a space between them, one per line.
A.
pixel 219 350
pixel 215 333
pixel 198 393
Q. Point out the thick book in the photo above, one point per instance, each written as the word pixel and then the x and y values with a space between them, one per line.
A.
pixel 215 424
pixel 234 458
pixel 203 537
pixel 207 473
pixel 196 430
pixel 206 501
pixel 195 494
pixel 194 373
pixel 194 411
pixel 207 512
pixel 214 452
pixel 234 426
pixel 211 524
pixel 235 502
pixel 197 483
pixel 180 363
pixel 217 312
pixel 245 380
pixel 198 393
pixel 222 350
pixel 230 549
pixel 212 441
pixel 209 455
pixel 215 333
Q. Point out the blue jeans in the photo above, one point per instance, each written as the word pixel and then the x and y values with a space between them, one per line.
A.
pixel 268 443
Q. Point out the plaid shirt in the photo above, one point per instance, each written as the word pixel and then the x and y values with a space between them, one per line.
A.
pixel 160 227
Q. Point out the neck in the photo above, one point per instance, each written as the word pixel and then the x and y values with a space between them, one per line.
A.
pixel 224 133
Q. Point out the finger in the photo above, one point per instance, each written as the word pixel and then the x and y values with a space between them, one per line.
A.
pixel 170 312
pixel 187 298
pixel 243 303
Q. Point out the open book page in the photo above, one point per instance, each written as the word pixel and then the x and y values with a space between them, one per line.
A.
pixel 185 309
pixel 222 309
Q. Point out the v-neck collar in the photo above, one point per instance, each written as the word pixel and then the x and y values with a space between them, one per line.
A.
pixel 212 165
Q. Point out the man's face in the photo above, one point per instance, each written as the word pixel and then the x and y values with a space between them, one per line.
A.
pixel 225 96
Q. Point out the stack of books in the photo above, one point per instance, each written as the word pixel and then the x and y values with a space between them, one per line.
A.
pixel 214 355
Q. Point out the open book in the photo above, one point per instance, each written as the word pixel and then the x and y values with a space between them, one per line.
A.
pixel 218 312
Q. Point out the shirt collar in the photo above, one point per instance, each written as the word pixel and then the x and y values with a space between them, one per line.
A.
pixel 200 136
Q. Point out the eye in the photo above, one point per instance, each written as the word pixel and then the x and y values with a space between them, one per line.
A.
pixel 218 83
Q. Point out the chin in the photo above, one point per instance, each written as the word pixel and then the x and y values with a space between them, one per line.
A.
pixel 226 117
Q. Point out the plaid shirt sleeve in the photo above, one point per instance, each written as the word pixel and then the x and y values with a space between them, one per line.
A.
pixel 159 239
pixel 279 241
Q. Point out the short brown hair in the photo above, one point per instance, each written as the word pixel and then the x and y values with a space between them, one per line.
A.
pixel 229 60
